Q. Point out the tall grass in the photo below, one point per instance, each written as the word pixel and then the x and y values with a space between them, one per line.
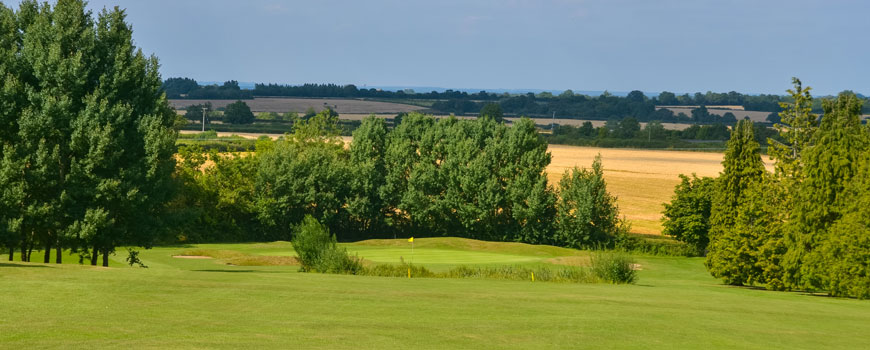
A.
pixel 515 273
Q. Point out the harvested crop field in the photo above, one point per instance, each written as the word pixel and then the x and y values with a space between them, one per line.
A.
pixel 300 105
pixel 642 180
pixel 755 116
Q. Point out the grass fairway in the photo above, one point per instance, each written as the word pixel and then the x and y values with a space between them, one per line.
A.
pixel 204 303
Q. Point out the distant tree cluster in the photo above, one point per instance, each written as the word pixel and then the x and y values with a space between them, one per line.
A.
pixel 803 227
pixel 87 136
pixel 179 88
pixel 351 91
pixel 628 133
pixel 425 177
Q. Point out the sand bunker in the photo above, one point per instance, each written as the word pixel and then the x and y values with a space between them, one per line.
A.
pixel 191 257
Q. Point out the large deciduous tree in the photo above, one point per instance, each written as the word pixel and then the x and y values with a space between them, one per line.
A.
pixel 88 147
pixel 238 113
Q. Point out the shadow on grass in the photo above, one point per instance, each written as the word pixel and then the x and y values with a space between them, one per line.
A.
pixel 23 265
pixel 821 294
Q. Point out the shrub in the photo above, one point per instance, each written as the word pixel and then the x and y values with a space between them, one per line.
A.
pixel 614 267
pixel 318 250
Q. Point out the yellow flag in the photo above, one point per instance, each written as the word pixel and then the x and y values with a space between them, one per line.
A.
pixel 411 239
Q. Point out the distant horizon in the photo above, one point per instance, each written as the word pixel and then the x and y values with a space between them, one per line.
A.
pixel 425 89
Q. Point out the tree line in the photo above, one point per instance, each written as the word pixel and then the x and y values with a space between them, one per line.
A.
pixel 566 104
pixel 426 177
pixel 629 133
pixel 804 226
pixel 86 133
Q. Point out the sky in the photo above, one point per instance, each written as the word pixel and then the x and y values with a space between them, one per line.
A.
pixel 751 46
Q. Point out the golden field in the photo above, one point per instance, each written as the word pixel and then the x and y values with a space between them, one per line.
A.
pixel 642 180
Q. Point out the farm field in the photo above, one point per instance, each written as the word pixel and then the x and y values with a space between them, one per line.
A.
pixel 300 105
pixel 205 303
pixel 642 180
pixel 755 116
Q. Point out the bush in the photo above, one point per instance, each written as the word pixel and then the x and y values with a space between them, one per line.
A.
pixel 614 267
pixel 318 251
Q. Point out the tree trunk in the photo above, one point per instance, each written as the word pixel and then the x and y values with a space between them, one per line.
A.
pixel 47 257
pixel 11 252
pixel 95 256
pixel 23 251
pixel 30 251
pixel 106 258
pixel 59 257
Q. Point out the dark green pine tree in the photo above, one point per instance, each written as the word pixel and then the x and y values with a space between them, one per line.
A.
pixel 727 256
pixel 847 248
pixel 828 167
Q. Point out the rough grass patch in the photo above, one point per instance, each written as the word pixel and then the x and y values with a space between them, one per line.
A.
pixel 231 257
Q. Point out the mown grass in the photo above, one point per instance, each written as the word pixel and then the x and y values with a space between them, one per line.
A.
pixel 189 303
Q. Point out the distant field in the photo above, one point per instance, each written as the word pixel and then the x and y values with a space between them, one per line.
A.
pixel 300 105
pixel 641 179
pixel 208 304
pixel 755 116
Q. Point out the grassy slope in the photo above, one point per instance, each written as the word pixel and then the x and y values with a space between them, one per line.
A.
pixel 179 303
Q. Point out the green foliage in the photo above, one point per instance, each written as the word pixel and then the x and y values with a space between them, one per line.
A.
pixel 90 144
pixel 238 113
pixel 587 215
pixel 305 173
pixel 214 197
pixel 176 87
pixel 796 128
pixel 847 248
pixel 614 267
pixel 318 252
pixel 655 245
pixel 727 255
pixel 367 205
pixel 839 146
pixel 493 111
pixel 687 216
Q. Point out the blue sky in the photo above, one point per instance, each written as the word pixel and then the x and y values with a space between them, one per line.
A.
pixel 682 46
